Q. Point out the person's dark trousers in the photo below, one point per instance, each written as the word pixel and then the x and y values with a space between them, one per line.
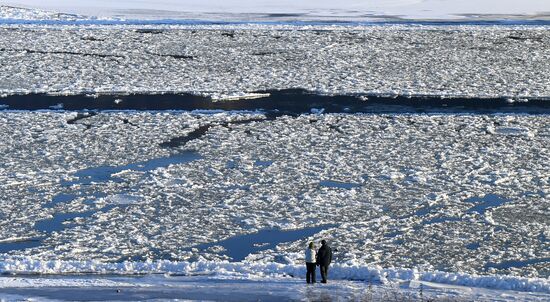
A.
pixel 324 273
pixel 310 275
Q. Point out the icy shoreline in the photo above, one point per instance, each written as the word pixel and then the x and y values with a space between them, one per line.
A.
pixel 248 270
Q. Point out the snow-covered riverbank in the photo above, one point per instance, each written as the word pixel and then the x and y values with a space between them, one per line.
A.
pixel 297 10
pixel 262 271
pixel 249 288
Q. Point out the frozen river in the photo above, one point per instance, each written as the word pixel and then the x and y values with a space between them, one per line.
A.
pixel 106 186
pixel 213 153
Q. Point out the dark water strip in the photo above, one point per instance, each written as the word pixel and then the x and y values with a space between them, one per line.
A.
pixel 84 54
pixel 80 116
pixel 338 184
pixel 20 245
pixel 290 101
pixel 56 223
pixel 202 130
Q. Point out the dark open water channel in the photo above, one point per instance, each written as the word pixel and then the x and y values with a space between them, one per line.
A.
pixel 290 101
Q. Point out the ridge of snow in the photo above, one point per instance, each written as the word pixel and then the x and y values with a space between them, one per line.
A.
pixel 260 270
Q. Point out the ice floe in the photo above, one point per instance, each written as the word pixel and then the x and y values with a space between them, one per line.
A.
pixel 508 62
pixel 400 190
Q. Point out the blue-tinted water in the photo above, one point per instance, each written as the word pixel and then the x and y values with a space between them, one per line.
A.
pixel 393 234
pixel 473 246
pixel 441 220
pixel 88 176
pixel 19 245
pixel 104 173
pixel 424 211
pixel 239 247
pixel 60 198
pixel 481 205
pixel 486 202
pixel 231 164
pixel 338 184
pixel 55 224
pixel 263 163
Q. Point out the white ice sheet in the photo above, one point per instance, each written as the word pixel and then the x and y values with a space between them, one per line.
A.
pixel 408 9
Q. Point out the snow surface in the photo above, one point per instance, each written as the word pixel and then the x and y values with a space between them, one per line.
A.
pixel 220 288
pixel 224 62
pixel 17 282
pixel 224 287
pixel 298 10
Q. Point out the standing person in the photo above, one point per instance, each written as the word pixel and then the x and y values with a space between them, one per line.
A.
pixel 324 258
pixel 311 258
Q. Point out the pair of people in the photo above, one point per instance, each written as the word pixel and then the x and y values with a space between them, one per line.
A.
pixel 322 258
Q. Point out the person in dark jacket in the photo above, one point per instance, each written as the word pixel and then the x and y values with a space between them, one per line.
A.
pixel 324 258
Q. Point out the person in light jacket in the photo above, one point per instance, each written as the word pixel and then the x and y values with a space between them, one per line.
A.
pixel 311 259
